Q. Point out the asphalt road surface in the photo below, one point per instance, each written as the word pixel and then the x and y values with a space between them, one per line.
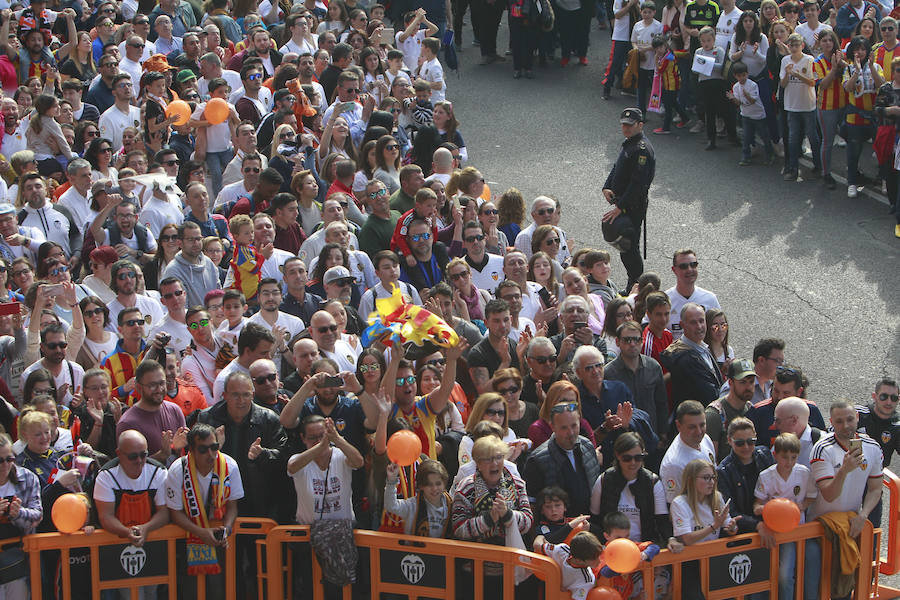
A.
pixel 789 260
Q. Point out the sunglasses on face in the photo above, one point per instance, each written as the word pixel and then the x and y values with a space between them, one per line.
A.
pixel 110 64
pixel 57 345
pixel 141 46
pixel 631 340
pixel 351 90
pixel 263 379
pixel 391 147
pixel 91 312
pixel 105 149
pixel 408 380
pixel 491 212
pixel 379 193
pixel 214 447
pixel 543 360
pixel 437 362
pixel 254 76
pixel 58 271
pixel 133 322
pixel 458 276
pixel 198 324
pixel 175 294
pixel 552 242
pixel 688 265
pixel 168 238
pixel 708 478
pixel 252 170
pixel 285 136
pixel 891 397
pixel 887 28
pixel 172 162
pixel 133 456
pixel 369 368
pixel 124 276
pixel 495 412
pixel 564 408
pixel 92 134
pixel 633 457
pixel 544 211
pixel 509 391
pixel 420 237
pixel 744 442
pixel 326 329
pixel 475 238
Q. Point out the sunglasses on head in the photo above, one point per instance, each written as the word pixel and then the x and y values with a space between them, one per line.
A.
pixel 564 408
pixel 57 345
pixel 198 324
pixel 262 379
pixel 408 380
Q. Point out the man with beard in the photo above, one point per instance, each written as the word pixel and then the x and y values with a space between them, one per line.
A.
pixel 122 114
pixel 13 128
pixel 254 342
pixel 283 326
pixel 173 298
pixel 66 374
pixel 54 221
pixel 178 391
pixel 160 421
pixel 190 265
pixel 201 363
pixel 123 281
pixel 735 403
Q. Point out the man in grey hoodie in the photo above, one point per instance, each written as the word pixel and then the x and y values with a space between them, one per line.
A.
pixel 196 271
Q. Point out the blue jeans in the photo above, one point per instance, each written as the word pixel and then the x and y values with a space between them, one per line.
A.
pixel 752 128
pixel 787 571
pixel 800 124
pixel 830 122
pixel 857 135
pixel 217 161
pixel 686 96
pixel 765 94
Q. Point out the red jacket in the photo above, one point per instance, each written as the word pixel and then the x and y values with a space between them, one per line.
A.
pixel 337 186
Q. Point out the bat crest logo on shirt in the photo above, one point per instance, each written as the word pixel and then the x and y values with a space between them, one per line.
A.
pixel 885 437
pixel 340 424
pixel 796 490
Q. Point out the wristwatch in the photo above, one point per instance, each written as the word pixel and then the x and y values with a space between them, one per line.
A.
pixel 139 255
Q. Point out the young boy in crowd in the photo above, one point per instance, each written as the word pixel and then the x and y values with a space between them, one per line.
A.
pixel 745 93
pixel 712 89
pixel 576 560
pixel 596 263
pixel 787 479
pixel 424 207
pixel 630 585
pixel 246 262
pixel 376 12
pixel 670 78
pixel 552 524
pixel 430 69
pixel 426 514
pixel 234 306
pixel 394 65
pixel 421 107
pixel 387 269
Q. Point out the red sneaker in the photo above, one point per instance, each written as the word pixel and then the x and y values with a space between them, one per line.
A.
pixel 564 62
pixel 681 125
pixel 583 61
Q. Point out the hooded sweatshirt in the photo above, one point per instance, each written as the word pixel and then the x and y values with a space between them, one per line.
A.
pixel 197 280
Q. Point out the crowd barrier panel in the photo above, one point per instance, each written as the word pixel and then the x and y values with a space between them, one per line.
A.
pixel 890 564
pixel 417 567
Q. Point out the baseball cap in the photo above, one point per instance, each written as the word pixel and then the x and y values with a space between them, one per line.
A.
pixel 630 116
pixel 105 255
pixel 7 208
pixel 336 274
pixel 185 75
pixel 739 369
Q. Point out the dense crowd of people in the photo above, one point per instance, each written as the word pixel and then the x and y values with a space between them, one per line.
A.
pixel 797 77
pixel 206 205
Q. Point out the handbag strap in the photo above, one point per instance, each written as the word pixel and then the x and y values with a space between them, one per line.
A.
pixel 325 489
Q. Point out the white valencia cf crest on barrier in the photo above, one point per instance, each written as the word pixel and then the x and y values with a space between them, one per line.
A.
pixel 133 560
pixel 739 568
pixel 413 568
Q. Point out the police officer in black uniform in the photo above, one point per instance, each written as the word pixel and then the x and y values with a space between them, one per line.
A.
pixel 626 189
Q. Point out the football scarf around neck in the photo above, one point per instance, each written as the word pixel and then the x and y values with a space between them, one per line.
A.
pixel 201 557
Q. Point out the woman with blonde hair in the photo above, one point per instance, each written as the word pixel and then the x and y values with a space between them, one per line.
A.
pixel 21 508
pixel 519 414
pixel 562 392
pixel 466 182
pixel 468 300
pixel 769 12
pixel 305 187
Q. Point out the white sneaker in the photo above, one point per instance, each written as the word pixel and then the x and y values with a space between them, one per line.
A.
pixel 779 149
pixel 839 142
pixel 851 191
pixel 697 127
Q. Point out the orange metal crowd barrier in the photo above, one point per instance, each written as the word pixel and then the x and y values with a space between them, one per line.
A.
pixel 416 567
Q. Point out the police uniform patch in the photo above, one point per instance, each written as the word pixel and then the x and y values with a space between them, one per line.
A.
pixel 642 160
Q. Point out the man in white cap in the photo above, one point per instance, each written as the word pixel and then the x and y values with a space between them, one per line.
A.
pixel 16 240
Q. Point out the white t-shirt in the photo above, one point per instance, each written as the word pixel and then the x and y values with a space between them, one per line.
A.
pixel 63 443
pixel 231 192
pixel 181 338
pixel 577 580
pixel 683 520
pixel 411 48
pixel 333 498
pixel 303 47
pixel 175 479
pixel 797 487
pixel 292 324
pixel 531 302
pixel 149 47
pixel 344 355
pixel 524 323
pixel 491 275
pixel 101 350
pixel 700 296
pixel 79 206
pixel 827 456
pixel 263 100
pixel 113 123
pixel 157 213
pixel 642 35
pixel 677 456
pixel 621 27
pixel 131 242
pixel 809 34
pixel 628 506
pixel 799 97
pixel 752 110
pixel 229 335
pixel 432 72
pixel 151 478
pixel 218 137
pixel 232 77
pixel 134 69
pixel 151 309
pixel 725 28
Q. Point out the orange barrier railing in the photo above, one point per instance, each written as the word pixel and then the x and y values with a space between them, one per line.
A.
pixel 890 564
pixel 416 567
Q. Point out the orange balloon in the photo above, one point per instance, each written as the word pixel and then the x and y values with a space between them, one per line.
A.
pixel 622 555
pixel 69 513
pixel 781 515
pixel 180 109
pixel 603 593
pixel 404 448
pixel 486 194
pixel 216 111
